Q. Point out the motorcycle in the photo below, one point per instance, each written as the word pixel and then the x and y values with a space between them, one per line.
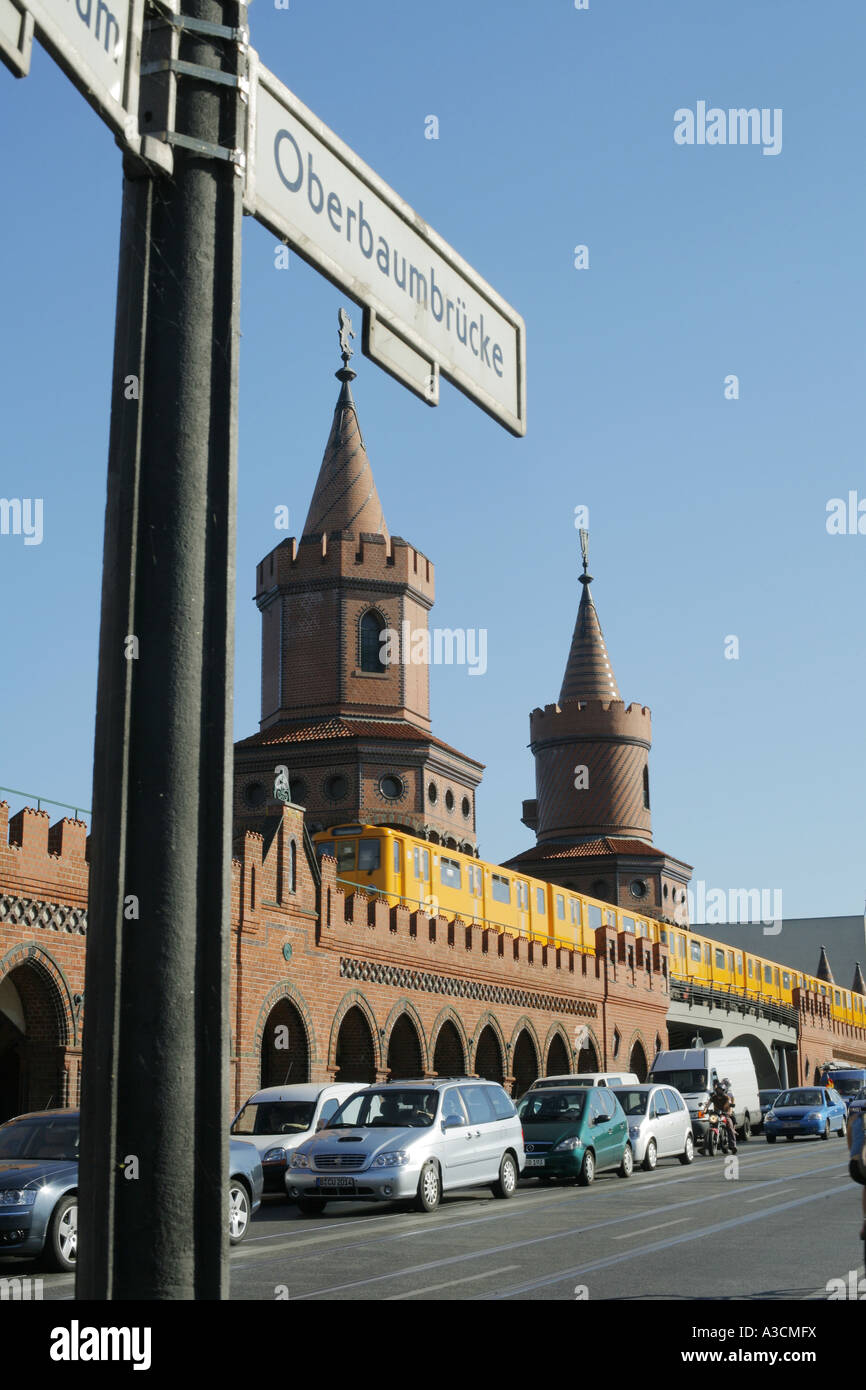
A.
pixel 717 1138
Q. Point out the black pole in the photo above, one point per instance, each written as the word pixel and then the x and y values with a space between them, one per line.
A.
pixel 153 1214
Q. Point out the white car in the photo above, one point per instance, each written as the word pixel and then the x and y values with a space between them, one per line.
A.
pixel 659 1123
pixel 279 1118
pixel 586 1078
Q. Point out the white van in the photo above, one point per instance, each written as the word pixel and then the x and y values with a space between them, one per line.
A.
pixel 693 1071
pixel 588 1078
pixel 279 1118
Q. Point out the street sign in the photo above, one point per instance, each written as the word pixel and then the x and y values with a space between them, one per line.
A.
pixel 97 43
pixel 307 187
pixel 16 37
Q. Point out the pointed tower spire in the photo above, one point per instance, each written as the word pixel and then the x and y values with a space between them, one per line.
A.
pixel 859 985
pixel 824 972
pixel 588 674
pixel 345 497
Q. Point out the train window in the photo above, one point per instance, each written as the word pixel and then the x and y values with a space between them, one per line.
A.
pixel 575 912
pixel 560 907
pixel 324 847
pixel 751 969
pixel 720 958
pixel 539 897
pixel 628 924
pixel 786 980
pixel 422 862
pixel 695 948
pixel 594 915
pixel 776 976
pixel 708 953
pixel 739 963
pixel 768 974
pixel 501 889
pixel 522 895
pixel 663 936
pixel 823 989
pixel 368 856
pixel 474 873
pixel 836 999
pixel 731 961
pixel 347 854
pixel 397 858
pixel 449 873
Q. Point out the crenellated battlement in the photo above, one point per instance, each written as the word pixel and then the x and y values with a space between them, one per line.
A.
pixel 343 555
pixel 42 859
pixel 584 719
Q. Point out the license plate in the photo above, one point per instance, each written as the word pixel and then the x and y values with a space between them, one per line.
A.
pixel 348 1183
pixel 535 1163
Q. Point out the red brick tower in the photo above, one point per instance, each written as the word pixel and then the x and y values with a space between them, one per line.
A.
pixel 345 666
pixel 591 815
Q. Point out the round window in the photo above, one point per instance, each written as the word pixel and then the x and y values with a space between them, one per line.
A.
pixel 665 890
pixel 639 888
pixel 432 793
pixel 336 787
pixel 449 800
pixel 392 788
pixel 255 794
pixel 466 807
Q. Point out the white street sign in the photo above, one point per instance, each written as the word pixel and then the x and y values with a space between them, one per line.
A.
pixel 312 191
pixel 16 37
pixel 97 43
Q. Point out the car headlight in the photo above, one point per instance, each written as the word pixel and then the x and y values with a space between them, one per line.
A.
pixel 814 1115
pixel 568 1145
pixel 634 1131
pixel 300 1160
pixel 275 1156
pixel 394 1158
pixel 18 1197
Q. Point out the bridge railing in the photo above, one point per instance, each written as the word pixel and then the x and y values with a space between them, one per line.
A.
pixel 731 1000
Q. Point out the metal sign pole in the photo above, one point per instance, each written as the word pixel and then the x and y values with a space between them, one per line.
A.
pixel 153 1211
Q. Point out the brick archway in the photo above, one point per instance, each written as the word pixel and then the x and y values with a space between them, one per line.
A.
pixel 590 1055
pixel 638 1058
pixel 405 1061
pixel 525 1056
pixel 284 990
pixel 557 1053
pixel 354 1052
pixel 449 1047
pixel 488 1049
pixel 405 1009
pixel 35 1067
pixel 285 1054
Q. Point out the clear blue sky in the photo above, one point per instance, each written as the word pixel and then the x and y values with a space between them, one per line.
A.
pixel 707 516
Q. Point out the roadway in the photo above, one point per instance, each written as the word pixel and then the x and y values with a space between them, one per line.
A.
pixel 782 1228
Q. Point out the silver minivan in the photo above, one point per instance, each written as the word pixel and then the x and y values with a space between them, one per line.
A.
pixel 411 1140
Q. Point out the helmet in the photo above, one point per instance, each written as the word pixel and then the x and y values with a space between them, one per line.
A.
pixel 726 1083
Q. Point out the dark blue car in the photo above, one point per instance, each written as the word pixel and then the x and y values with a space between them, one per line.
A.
pixel 39 1187
pixel 807 1110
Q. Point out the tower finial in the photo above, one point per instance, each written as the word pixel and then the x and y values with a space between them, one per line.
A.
pixel 346 332
pixel 586 577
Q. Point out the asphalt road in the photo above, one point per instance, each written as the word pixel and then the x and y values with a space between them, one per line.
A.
pixel 781 1227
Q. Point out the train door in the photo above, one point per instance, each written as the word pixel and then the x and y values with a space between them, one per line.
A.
pixel 419 892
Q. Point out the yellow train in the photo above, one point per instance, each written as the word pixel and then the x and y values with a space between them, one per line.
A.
pixel 431 878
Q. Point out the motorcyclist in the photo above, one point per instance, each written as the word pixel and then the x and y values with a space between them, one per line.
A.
pixel 722 1102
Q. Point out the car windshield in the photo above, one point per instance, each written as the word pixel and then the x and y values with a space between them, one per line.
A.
pixel 845 1085
pixel 275 1117
pixel 545 1107
pixel 632 1102
pixel 686 1081
pixel 800 1097
pixel 48 1137
pixel 765 1097
pixel 409 1109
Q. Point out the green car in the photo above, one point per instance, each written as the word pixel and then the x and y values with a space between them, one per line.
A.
pixel 574 1134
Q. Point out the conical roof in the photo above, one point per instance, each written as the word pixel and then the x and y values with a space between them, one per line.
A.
pixel 588 675
pixel 859 985
pixel 345 498
pixel 824 972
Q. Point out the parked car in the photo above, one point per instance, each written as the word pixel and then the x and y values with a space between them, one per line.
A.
pixel 586 1078
pixel 411 1139
pixel 857 1102
pixel 693 1072
pixel 766 1098
pixel 39 1187
pixel 845 1081
pixel 806 1110
pixel 279 1118
pixel 574 1132
pixel 659 1124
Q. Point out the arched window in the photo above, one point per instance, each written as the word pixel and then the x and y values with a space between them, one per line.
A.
pixel 646 800
pixel 372 627
pixel 293 867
